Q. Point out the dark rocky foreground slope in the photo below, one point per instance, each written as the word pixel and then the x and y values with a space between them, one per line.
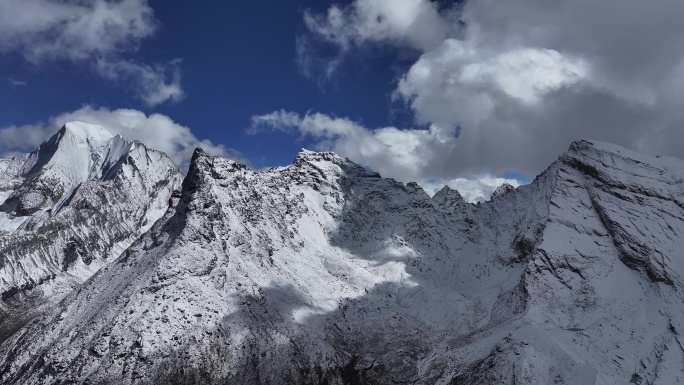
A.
pixel 323 273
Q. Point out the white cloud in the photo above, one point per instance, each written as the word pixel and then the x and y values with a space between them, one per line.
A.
pixel 525 74
pixel 417 24
pixel 16 82
pixel 97 32
pixel 413 22
pixel 402 154
pixel 460 84
pixel 521 79
pixel 156 131
pixel 46 30
pixel 406 155
pixel 155 85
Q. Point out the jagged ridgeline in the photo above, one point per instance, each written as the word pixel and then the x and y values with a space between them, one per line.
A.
pixel 70 207
pixel 323 273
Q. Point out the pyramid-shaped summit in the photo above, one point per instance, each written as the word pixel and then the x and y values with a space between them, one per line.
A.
pixel 72 206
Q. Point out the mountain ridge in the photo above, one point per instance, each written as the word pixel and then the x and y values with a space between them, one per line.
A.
pixel 72 206
pixel 322 272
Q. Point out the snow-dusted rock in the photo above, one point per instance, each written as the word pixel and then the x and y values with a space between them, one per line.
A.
pixel 449 199
pixel 501 190
pixel 321 272
pixel 72 206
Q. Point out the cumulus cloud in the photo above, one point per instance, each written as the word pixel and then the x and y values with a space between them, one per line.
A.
pixel 525 74
pixel 416 23
pixel 403 154
pixel 406 155
pixel 48 29
pixel 156 131
pixel 519 80
pixel 97 32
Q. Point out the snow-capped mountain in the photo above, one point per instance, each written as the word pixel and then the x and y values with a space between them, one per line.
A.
pixel 503 189
pixel 72 206
pixel 323 273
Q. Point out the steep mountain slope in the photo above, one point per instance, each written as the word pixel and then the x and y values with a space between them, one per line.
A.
pixel 72 206
pixel 323 273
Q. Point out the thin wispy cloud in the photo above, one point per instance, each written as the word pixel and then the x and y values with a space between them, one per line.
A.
pixel 100 33
pixel 16 82
pixel 154 84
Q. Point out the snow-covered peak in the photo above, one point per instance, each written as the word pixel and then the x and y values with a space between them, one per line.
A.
pixel 80 132
pixel 76 153
pixel 619 157
pixel 415 190
pixel 307 156
pixel 83 195
pixel 501 190
pixel 448 199
pixel 584 146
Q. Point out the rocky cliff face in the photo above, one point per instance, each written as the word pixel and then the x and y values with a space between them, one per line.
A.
pixel 323 273
pixel 72 206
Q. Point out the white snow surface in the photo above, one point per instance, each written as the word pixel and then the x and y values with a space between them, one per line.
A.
pixel 320 272
pixel 72 206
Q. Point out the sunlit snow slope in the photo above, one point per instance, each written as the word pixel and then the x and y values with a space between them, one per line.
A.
pixel 324 273
pixel 72 206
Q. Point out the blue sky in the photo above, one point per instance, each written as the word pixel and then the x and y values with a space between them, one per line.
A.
pixel 438 92
pixel 237 61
